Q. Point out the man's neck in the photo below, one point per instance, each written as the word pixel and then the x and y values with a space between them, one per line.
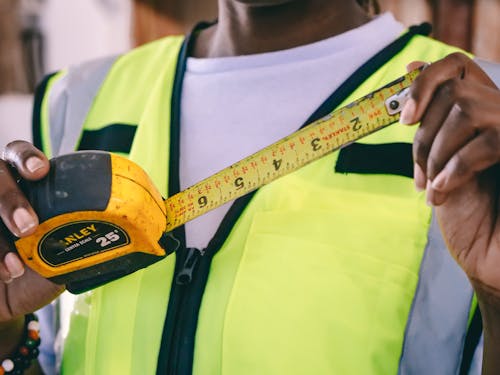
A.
pixel 248 29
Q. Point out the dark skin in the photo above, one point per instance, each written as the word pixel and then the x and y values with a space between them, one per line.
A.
pixel 252 26
pixel 457 154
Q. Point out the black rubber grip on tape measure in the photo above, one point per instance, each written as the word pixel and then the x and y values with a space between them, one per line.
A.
pixel 99 274
pixel 80 181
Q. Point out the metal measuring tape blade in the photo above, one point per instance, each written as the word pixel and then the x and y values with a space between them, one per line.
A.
pixel 340 128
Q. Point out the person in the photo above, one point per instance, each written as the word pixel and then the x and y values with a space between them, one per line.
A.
pixel 339 267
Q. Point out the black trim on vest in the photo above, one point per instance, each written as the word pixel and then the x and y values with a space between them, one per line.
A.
pixel 112 138
pixel 349 160
pixel 36 121
pixel 388 158
pixel 366 70
pixel 179 331
pixel 167 349
pixel 471 341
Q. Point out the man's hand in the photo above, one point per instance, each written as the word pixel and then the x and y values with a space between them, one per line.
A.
pixel 457 154
pixel 21 290
pixel 457 160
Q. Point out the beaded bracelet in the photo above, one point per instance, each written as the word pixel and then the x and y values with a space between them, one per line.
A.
pixel 27 351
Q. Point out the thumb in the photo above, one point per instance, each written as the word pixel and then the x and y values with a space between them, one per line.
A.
pixel 415 65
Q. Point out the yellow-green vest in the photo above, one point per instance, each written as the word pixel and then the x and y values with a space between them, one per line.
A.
pixel 329 270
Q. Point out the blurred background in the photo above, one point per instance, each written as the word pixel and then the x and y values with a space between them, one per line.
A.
pixel 41 36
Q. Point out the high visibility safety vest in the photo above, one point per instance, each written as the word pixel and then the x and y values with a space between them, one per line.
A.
pixel 337 268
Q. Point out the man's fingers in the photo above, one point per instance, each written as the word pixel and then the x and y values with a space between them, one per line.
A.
pixel 415 65
pixel 466 117
pixel 11 266
pixel 14 265
pixel 30 162
pixel 479 154
pixel 15 211
pixel 472 114
pixel 5 276
pixel 456 65
pixel 431 123
pixel 434 197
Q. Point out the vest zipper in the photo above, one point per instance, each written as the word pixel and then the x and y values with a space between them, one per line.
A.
pixel 182 288
pixel 189 282
pixel 185 274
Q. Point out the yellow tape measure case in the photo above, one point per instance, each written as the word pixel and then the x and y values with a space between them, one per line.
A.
pixel 100 218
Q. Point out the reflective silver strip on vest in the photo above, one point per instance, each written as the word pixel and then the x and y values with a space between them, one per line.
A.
pixel 438 320
pixel 491 68
pixel 476 367
pixel 70 100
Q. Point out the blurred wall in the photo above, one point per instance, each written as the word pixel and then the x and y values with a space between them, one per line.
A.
pixel 485 38
pixel 473 25
pixel 12 79
pixel 42 36
pixel 79 30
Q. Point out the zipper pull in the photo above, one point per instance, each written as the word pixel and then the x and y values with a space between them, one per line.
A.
pixel 185 274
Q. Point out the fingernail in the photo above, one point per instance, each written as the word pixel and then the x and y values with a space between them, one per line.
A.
pixel 414 65
pixel 429 195
pixel 408 112
pixel 23 220
pixel 440 180
pixel 14 265
pixel 428 201
pixel 34 163
pixel 418 177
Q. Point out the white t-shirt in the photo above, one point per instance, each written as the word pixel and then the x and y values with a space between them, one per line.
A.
pixel 233 106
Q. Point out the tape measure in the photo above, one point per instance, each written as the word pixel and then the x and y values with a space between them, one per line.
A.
pixel 92 233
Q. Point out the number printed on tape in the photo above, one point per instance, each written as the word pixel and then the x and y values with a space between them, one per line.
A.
pixel 340 128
